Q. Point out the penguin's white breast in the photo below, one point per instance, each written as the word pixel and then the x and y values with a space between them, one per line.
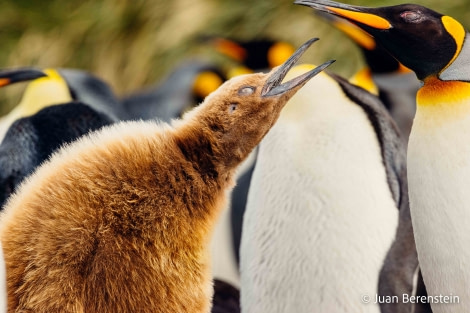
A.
pixel 320 215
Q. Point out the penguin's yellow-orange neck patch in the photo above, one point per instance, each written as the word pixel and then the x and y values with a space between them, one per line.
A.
pixel 363 78
pixel 457 31
pixel 43 92
pixel 438 92
pixel 442 102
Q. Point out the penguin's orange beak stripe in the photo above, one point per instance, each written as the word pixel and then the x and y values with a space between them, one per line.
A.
pixel 368 19
pixel 355 33
pixel 4 82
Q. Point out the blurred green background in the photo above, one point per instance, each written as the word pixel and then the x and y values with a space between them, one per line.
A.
pixel 135 43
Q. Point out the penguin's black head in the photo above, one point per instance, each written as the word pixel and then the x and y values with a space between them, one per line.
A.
pixel 423 40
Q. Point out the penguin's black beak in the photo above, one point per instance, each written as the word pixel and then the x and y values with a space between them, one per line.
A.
pixel 361 16
pixel 12 76
pixel 273 86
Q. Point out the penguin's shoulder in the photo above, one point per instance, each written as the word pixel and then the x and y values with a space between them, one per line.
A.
pixel 393 150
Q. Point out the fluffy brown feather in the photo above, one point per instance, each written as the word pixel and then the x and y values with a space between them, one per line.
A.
pixel 120 221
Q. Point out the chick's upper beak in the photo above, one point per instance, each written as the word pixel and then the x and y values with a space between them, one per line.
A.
pixel 356 14
pixel 12 76
pixel 273 86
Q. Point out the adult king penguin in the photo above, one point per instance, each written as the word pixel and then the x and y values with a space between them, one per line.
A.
pixel 120 221
pixel 436 48
pixel 322 210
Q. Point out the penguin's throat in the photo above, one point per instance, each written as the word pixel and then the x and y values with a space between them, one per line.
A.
pixel 436 92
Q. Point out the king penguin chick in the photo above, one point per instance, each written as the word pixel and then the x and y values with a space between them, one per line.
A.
pixel 436 47
pixel 322 209
pixel 384 76
pixel 120 220
pixel 31 140
pixel 184 88
pixel 58 86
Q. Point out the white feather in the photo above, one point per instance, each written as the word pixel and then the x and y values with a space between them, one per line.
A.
pixel 320 216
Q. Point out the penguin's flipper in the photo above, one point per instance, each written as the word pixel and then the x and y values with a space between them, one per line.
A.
pixel 226 298
pixel 400 273
pixel 31 140
pixel 393 150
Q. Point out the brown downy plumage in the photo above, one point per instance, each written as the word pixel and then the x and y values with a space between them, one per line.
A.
pixel 120 221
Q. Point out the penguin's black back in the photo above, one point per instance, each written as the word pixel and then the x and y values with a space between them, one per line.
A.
pixel 31 140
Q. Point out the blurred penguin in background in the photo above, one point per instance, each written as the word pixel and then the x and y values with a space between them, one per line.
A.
pixel 31 140
pixel 260 54
pixel 324 205
pixel 183 89
pixel 58 86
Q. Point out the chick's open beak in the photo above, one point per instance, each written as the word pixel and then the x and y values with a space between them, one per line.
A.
pixel 273 86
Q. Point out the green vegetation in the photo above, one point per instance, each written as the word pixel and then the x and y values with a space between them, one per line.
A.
pixel 134 43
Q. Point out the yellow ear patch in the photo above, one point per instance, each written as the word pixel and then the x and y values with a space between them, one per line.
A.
pixel 205 83
pixel 279 53
pixel 363 78
pixel 355 33
pixel 457 31
pixel 230 49
pixel 363 18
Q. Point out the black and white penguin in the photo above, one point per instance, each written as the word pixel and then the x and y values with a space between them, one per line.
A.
pixel 323 206
pixel 436 47
pixel 31 140
pixel 57 86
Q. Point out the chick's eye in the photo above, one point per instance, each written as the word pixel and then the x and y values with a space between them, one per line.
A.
pixel 245 91
pixel 410 16
pixel 232 107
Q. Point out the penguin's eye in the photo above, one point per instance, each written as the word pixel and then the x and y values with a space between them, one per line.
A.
pixel 232 107
pixel 246 90
pixel 410 16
